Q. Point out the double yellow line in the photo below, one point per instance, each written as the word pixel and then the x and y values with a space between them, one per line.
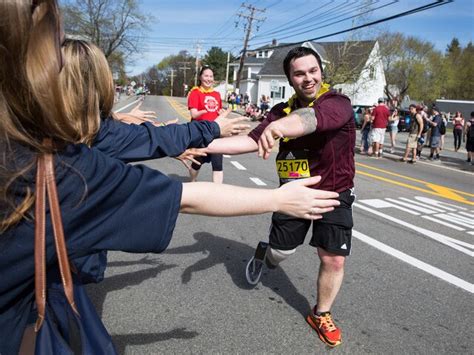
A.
pixel 418 185
pixel 181 109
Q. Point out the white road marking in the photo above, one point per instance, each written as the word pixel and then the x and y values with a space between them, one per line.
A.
pixel 467 214
pixel 471 233
pixel 411 206
pixel 258 182
pixel 462 218
pixel 130 104
pixel 452 220
pixel 226 156
pixel 417 203
pixel 378 203
pixel 443 223
pixel 443 275
pixel 451 242
pixel 446 206
pixel 238 165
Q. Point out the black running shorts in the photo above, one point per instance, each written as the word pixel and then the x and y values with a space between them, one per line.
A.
pixel 332 233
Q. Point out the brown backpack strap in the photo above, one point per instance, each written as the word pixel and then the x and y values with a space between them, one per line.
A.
pixel 40 264
pixel 46 181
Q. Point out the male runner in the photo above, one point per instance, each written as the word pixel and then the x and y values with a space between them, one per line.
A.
pixel 324 120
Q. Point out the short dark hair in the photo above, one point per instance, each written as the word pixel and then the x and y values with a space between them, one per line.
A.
pixel 299 52
pixel 472 114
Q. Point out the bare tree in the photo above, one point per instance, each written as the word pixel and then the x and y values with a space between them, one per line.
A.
pixel 113 25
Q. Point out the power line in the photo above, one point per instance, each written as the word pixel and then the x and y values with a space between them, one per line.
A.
pixel 292 34
pixel 393 17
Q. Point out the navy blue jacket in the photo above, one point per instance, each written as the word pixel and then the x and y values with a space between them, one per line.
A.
pixel 103 201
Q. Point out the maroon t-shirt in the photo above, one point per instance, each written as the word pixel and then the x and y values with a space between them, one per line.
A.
pixel 381 114
pixel 330 149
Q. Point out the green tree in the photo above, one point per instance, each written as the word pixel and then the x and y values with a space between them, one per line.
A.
pixel 216 58
pixel 460 69
pixel 412 66
pixel 181 68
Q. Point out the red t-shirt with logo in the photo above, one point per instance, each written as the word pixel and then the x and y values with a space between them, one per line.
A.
pixel 205 100
pixel 381 114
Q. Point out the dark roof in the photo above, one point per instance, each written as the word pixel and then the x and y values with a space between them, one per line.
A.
pixel 274 64
pixel 251 60
pixel 268 46
pixel 354 54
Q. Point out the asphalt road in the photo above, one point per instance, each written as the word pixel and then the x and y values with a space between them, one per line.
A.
pixel 408 286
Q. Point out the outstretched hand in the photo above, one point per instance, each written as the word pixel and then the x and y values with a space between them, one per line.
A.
pixel 189 155
pixel 298 200
pixel 231 126
pixel 142 114
pixel 268 139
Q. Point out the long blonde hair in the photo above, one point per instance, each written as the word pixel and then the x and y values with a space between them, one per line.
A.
pixel 31 101
pixel 88 88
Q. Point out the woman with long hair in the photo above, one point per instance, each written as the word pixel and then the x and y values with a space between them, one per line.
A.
pixel 205 104
pixel 365 130
pixel 458 127
pixel 102 200
pixel 393 129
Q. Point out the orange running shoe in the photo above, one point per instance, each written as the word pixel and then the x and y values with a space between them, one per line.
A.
pixel 323 324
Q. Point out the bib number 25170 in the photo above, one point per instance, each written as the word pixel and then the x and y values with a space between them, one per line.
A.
pixel 293 169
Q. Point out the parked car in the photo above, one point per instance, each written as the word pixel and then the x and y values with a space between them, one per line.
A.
pixel 404 122
pixel 358 116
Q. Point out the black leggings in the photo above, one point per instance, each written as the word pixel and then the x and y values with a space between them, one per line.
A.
pixel 214 159
pixel 457 138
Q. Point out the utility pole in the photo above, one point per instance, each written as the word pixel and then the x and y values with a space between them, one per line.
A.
pixel 172 76
pixel 250 18
pixel 226 76
pixel 198 53
pixel 184 68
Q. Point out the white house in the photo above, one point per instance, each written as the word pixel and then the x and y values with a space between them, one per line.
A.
pixel 264 75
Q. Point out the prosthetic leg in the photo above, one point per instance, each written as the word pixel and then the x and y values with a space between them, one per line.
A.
pixel 264 253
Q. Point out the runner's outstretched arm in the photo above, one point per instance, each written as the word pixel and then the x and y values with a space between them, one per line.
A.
pixel 299 123
pixel 294 198
pixel 232 145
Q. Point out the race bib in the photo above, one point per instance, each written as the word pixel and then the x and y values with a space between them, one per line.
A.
pixel 292 165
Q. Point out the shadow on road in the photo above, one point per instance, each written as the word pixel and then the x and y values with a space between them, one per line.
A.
pixel 98 293
pixel 234 256
pixel 122 341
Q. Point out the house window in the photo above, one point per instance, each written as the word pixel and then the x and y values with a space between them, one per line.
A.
pixel 372 73
pixel 265 55
pixel 280 94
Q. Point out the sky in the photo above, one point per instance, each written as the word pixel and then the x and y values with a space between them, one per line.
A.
pixel 188 25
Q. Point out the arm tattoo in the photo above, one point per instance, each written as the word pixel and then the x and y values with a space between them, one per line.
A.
pixel 308 119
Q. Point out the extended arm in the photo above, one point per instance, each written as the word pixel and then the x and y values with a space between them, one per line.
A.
pixel 299 123
pixel 294 199
pixel 195 113
pixel 232 145
pixel 145 141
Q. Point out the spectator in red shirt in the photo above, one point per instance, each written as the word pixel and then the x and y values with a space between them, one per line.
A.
pixel 380 116
pixel 205 104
